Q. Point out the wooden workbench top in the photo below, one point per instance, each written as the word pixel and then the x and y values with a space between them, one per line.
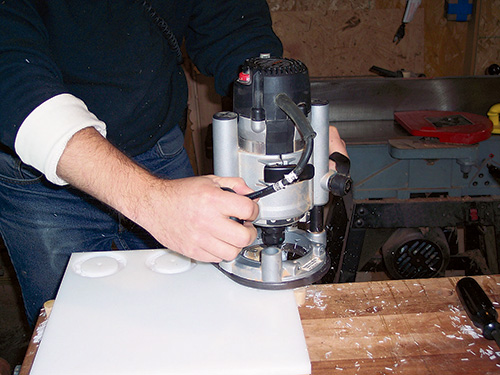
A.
pixel 396 327
pixel 387 327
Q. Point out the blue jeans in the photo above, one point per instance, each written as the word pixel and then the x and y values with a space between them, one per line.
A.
pixel 42 224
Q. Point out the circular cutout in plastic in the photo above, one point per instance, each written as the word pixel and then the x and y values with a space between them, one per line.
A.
pixel 169 262
pixel 99 265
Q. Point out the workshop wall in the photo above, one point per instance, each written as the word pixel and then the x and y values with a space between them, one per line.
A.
pixel 346 37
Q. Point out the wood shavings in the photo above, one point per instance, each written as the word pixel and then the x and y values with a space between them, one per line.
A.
pixel 487 353
pixel 39 332
pixel 454 337
pixel 469 330
pixel 317 299
pixel 373 309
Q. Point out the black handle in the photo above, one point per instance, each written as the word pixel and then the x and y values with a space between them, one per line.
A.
pixel 386 73
pixel 340 183
pixel 478 306
pixel 400 33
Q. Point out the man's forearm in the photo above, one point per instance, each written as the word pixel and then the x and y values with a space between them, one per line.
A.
pixel 91 164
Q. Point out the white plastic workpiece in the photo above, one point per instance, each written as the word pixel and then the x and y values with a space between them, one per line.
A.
pixel 156 312
pixel 168 262
pixel 102 265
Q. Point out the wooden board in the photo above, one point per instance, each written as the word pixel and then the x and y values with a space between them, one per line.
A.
pixel 396 327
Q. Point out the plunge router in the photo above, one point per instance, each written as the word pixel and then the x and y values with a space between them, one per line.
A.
pixel 276 139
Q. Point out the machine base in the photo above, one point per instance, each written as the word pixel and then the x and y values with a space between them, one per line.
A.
pixel 292 284
pixel 301 260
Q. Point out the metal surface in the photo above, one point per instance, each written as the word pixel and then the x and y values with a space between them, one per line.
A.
pixel 374 99
pixel 369 132
pixel 363 108
pixel 301 260
pixel 408 167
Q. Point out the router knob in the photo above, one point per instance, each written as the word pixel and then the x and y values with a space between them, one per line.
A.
pixel 340 183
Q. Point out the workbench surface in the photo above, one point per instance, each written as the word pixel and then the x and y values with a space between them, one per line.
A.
pixel 386 327
pixel 396 327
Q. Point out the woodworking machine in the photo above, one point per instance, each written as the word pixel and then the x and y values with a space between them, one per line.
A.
pixel 276 139
pixel 426 172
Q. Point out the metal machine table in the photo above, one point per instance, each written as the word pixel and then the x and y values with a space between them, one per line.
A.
pixel 402 181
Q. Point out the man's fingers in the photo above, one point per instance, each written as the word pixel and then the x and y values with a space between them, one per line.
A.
pixel 214 250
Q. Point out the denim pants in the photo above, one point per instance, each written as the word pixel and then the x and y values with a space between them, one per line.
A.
pixel 42 224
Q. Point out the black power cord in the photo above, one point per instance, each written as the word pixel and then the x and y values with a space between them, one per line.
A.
pixel 287 105
pixel 164 28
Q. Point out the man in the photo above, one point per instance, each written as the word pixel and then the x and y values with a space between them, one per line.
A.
pixel 91 95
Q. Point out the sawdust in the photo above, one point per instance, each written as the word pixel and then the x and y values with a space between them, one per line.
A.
pixel 317 299
pixel 37 337
pixel 460 321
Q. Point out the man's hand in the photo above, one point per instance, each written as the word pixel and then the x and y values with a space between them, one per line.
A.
pixel 190 216
pixel 335 144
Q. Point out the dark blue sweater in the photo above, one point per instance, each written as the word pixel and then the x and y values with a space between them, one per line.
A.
pixel 112 56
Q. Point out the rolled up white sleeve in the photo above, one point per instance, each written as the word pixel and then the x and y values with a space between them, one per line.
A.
pixel 42 137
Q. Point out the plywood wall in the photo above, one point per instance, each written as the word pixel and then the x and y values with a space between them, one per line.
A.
pixel 450 46
pixel 488 40
pixel 346 37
